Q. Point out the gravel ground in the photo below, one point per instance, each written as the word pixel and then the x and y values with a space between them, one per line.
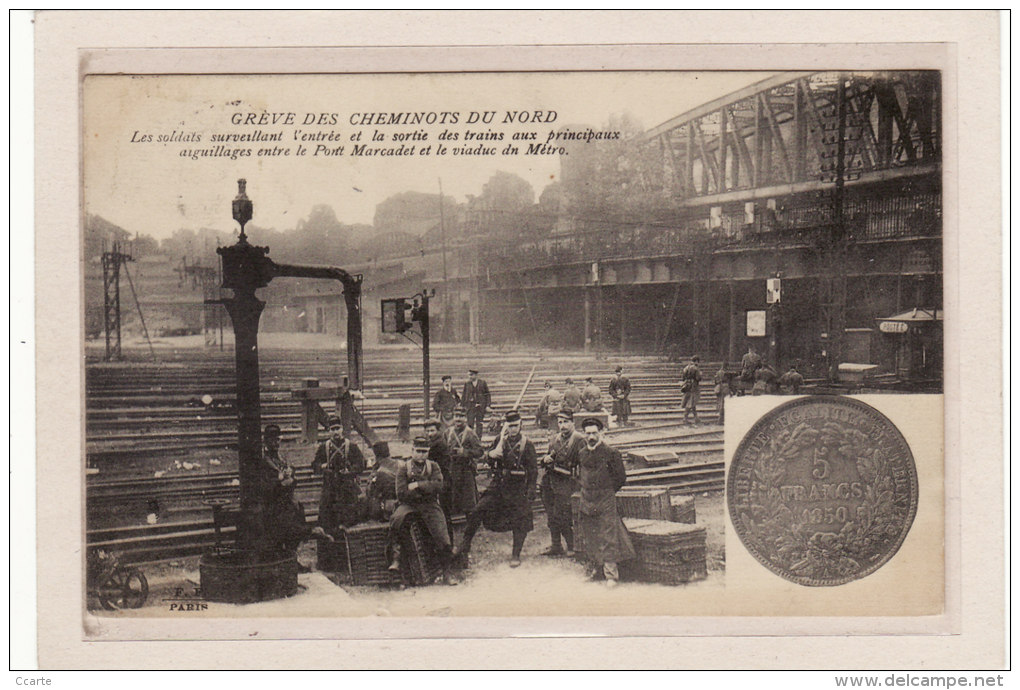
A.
pixel 540 586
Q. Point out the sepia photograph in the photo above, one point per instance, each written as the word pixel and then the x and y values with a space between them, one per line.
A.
pixel 561 348
pixel 402 342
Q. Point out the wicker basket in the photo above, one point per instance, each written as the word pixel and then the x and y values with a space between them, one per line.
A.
pixel 682 508
pixel 647 504
pixel 366 554
pixel 669 553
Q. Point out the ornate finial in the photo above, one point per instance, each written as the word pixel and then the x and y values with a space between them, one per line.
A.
pixel 242 207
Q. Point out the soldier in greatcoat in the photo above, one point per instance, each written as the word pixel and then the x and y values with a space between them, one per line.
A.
pixel 285 516
pixel 619 391
pixel 476 400
pixel 548 406
pixel 465 452
pixel 439 453
pixel 506 504
pixel 445 400
pixel 721 382
pixel 419 483
pixel 342 502
pixel 690 387
pixel 750 363
pixel 559 481
pixel 382 487
pixel 601 473
pixel 792 380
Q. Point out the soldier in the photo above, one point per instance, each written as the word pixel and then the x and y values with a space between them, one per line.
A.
pixel 446 399
pixel 506 504
pixel 591 396
pixel 764 380
pixel 476 399
pixel 722 389
pixel 559 482
pixel 419 483
pixel 571 396
pixel 465 452
pixel 382 487
pixel 548 406
pixel 285 517
pixel 619 391
pixel 439 453
pixel 601 472
pixel 749 365
pixel 792 380
pixel 342 502
pixel 690 386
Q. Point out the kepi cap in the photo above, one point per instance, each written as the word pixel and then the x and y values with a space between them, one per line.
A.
pixel 566 413
pixel 334 421
pixel 512 416
pixel 420 443
pixel 432 421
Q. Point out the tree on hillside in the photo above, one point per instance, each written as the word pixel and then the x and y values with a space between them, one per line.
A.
pixel 412 212
pixel 507 192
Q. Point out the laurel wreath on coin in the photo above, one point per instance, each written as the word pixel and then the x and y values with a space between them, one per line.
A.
pixel 801 548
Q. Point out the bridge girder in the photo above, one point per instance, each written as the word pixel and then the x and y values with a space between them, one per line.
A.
pixel 782 131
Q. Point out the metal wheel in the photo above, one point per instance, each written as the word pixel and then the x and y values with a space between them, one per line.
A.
pixel 124 589
pixel 136 589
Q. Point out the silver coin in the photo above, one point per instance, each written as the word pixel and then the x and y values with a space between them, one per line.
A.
pixel 822 490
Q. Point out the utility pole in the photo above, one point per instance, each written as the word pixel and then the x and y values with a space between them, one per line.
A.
pixel 442 242
pixel 423 319
pixel 111 300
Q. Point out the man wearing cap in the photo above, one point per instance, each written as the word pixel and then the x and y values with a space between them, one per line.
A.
pixel 285 516
pixel 342 502
pixel 690 386
pixel 591 396
pixel 382 487
pixel 439 453
pixel 419 484
pixel 571 396
pixel 465 452
pixel 601 473
pixel 548 406
pixel 506 504
pixel 446 399
pixel 792 380
pixel 619 391
pixel 559 481
pixel 475 399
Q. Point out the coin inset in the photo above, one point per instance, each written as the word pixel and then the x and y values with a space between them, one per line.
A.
pixel 822 490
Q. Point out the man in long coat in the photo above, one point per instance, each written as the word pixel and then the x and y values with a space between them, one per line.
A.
pixel 548 406
pixel 285 516
pixel 690 387
pixel 571 396
pixel 419 484
pixel 342 502
pixel 475 399
pixel 606 542
pixel 619 391
pixel 445 400
pixel 506 504
pixel 439 453
pixel 465 452
pixel 559 482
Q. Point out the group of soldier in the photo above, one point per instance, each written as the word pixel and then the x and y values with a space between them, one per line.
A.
pixel 438 482
pixel 585 399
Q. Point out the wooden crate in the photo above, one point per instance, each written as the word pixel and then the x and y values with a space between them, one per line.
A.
pixel 669 553
pixel 682 508
pixel 420 563
pixel 647 504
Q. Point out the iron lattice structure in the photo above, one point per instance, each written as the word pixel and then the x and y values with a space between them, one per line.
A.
pixel 112 262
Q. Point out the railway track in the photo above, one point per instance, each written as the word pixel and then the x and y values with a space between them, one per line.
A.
pixel 138 412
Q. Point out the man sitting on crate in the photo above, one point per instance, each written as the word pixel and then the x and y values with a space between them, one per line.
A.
pixel 419 484
pixel 606 542
pixel 559 482
pixel 342 503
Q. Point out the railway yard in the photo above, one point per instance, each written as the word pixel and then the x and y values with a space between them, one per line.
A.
pixel 161 443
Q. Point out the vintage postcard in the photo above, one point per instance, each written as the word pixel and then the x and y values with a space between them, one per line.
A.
pixel 390 345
